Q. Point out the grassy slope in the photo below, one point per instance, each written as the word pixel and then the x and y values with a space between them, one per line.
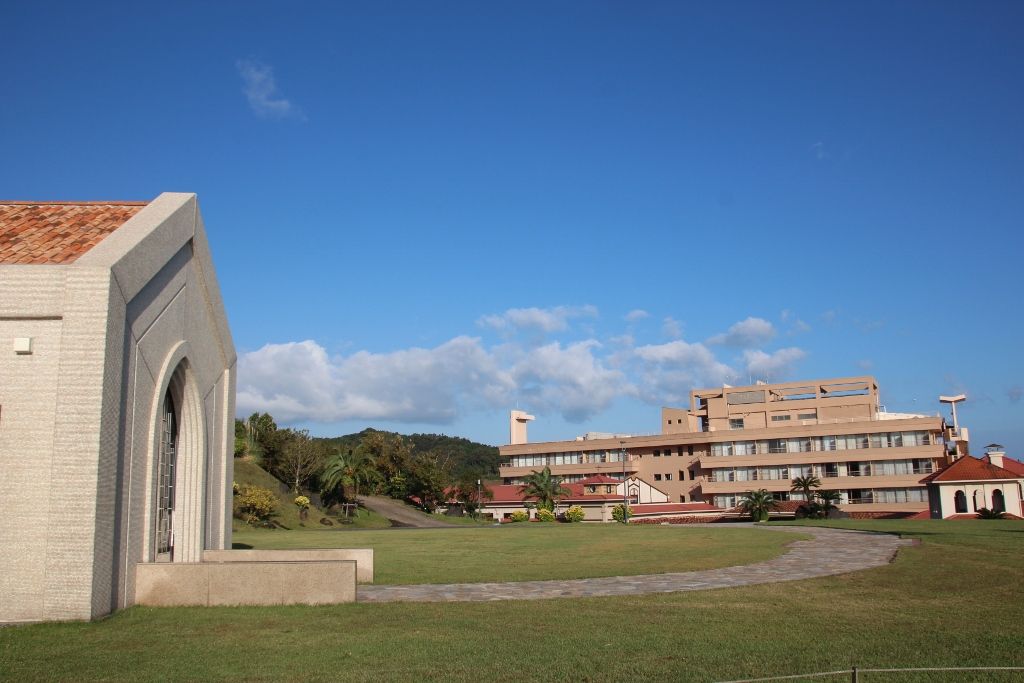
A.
pixel 287 515
pixel 955 600
pixel 521 552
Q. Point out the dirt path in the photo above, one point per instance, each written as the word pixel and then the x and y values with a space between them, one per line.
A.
pixel 401 514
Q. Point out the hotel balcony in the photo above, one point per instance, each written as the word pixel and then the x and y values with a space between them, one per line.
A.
pixel 711 486
pixel 809 457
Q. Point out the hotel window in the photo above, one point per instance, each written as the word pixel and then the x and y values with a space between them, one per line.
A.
pixel 657 454
pixel 736 423
pixel 807 416
pixel 682 475
pixel 781 418
pixel 689 450
pixel 668 477
pixel 657 477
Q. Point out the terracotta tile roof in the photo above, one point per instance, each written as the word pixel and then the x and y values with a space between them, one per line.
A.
pixel 969 468
pixel 1012 465
pixel 511 493
pixel 57 232
pixel 599 479
pixel 974 515
pixel 659 508
pixel 923 514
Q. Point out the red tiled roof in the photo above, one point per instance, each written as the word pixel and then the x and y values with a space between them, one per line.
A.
pixel 57 232
pixel 923 514
pixel 599 479
pixel 511 493
pixel 974 515
pixel 658 508
pixel 1010 464
pixel 969 468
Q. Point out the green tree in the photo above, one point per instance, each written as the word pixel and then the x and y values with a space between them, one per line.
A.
pixel 473 496
pixel 300 459
pixel 391 457
pixel 258 430
pixel 345 471
pixel 805 485
pixel 621 513
pixel 544 487
pixel 758 504
pixel 827 502
pixel 428 480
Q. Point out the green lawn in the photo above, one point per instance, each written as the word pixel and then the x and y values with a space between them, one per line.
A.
pixel 525 552
pixel 954 600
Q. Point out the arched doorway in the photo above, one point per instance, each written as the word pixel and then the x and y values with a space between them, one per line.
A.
pixel 998 505
pixel 178 475
pixel 166 471
pixel 959 502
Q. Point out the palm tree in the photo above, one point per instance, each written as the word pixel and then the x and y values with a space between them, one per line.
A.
pixel 827 502
pixel 545 488
pixel 757 504
pixel 346 469
pixel 804 485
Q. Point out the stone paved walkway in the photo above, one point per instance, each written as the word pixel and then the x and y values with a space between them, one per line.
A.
pixel 826 553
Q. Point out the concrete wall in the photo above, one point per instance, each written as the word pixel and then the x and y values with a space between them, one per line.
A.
pixel 78 416
pixel 980 491
pixel 363 557
pixel 245 583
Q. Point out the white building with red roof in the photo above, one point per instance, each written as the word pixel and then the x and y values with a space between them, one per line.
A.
pixel 969 484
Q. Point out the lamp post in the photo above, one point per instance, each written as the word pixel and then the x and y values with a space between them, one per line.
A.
pixel 479 501
pixel 625 497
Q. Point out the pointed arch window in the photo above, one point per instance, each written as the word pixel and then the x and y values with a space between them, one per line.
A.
pixel 166 470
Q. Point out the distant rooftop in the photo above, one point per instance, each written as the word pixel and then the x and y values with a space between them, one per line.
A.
pixel 57 232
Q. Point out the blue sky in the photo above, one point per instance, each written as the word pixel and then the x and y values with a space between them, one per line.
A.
pixel 425 214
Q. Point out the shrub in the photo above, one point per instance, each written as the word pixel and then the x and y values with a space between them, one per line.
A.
pixel 574 514
pixel 255 503
pixel 986 513
pixel 520 516
pixel 545 515
pixel 617 512
pixel 301 502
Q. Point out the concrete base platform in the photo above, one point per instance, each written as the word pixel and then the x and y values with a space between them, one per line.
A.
pixel 168 584
pixel 363 558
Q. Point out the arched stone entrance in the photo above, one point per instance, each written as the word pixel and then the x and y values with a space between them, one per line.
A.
pixel 175 528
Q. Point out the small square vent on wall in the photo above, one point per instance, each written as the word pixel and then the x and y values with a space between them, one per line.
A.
pixel 23 345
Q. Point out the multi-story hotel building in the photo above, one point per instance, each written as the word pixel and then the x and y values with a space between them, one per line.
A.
pixel 735 439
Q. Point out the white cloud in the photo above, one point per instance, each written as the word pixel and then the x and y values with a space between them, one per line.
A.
pixel 260 90
pixel 637 314
pixel 746 334
pixel 671 328
pixel 570 380
pixel 302 382
pixel 669 371
pixel 772 366
pixel 299 381
pixel 543 319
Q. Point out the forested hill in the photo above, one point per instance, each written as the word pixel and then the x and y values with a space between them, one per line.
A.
pixel 466 457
